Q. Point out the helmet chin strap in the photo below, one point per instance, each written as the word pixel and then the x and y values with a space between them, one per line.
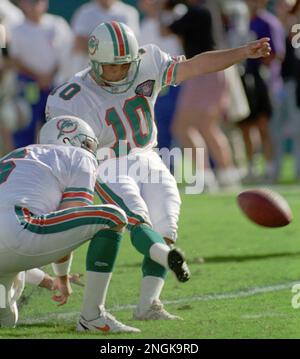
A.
pixel 98 71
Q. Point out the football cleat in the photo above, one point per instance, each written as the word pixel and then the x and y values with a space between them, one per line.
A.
pixel 105 323
pixel 155 312
pixel 9 316
pixel 177 264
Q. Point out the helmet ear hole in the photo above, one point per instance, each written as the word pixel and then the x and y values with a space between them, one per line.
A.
pixel 66 140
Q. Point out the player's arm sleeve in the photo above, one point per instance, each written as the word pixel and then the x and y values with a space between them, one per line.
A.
pixel 166 66
pixel 80 184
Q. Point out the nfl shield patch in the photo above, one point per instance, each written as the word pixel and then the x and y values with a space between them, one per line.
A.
pixel 145 88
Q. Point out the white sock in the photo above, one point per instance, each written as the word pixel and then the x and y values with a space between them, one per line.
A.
pixel 150 291
pixel 34 276
pixel 95 293
pixel 159 253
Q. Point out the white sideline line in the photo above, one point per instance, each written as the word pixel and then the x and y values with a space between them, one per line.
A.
pixel 264 315
pixel 249 292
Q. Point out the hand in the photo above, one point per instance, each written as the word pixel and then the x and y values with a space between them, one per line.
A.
pixel 50 282
pixel 75 278
pixel 63 286
pixel 259 48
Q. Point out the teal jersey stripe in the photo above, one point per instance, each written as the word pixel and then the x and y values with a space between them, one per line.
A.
pixel 129 226
pixel 61 227
pixel 16 154
pixel 61 213
pixel 78 189
pixel 84 209
pixel 164 79
pixel 120 202
pixel 65 225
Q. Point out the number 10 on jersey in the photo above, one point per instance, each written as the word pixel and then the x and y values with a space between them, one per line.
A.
pixel 139 117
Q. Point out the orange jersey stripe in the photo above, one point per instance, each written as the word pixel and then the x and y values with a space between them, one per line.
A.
pixel 170 74
pixel 78 194
pixel 62 218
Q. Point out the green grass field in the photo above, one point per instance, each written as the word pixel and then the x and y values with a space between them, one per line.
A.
pixel 242 290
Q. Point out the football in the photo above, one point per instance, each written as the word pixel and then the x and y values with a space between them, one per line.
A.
pixel 265 207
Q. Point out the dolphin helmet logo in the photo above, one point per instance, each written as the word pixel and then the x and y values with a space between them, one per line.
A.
pixel 93 45
pixel 66 126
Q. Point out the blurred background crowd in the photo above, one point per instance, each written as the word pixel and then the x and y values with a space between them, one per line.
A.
pixel 247 118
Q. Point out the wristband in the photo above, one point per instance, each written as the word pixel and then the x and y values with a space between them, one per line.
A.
pixel 64 268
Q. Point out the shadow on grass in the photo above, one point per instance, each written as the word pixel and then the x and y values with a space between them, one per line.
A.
pixel 224 259
pixel 243 258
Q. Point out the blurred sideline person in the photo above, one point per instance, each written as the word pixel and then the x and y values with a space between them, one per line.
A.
pixel 6 140
pixel 237 21
pixel 10 15
pixel 116 95
pixel 88 16
pixel 263 84
pixel 288 118
pixel 15 112
pixel 203 100
pixel 40 47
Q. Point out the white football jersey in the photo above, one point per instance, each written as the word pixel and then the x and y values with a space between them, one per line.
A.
pixel 118 117
pixel 40 177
